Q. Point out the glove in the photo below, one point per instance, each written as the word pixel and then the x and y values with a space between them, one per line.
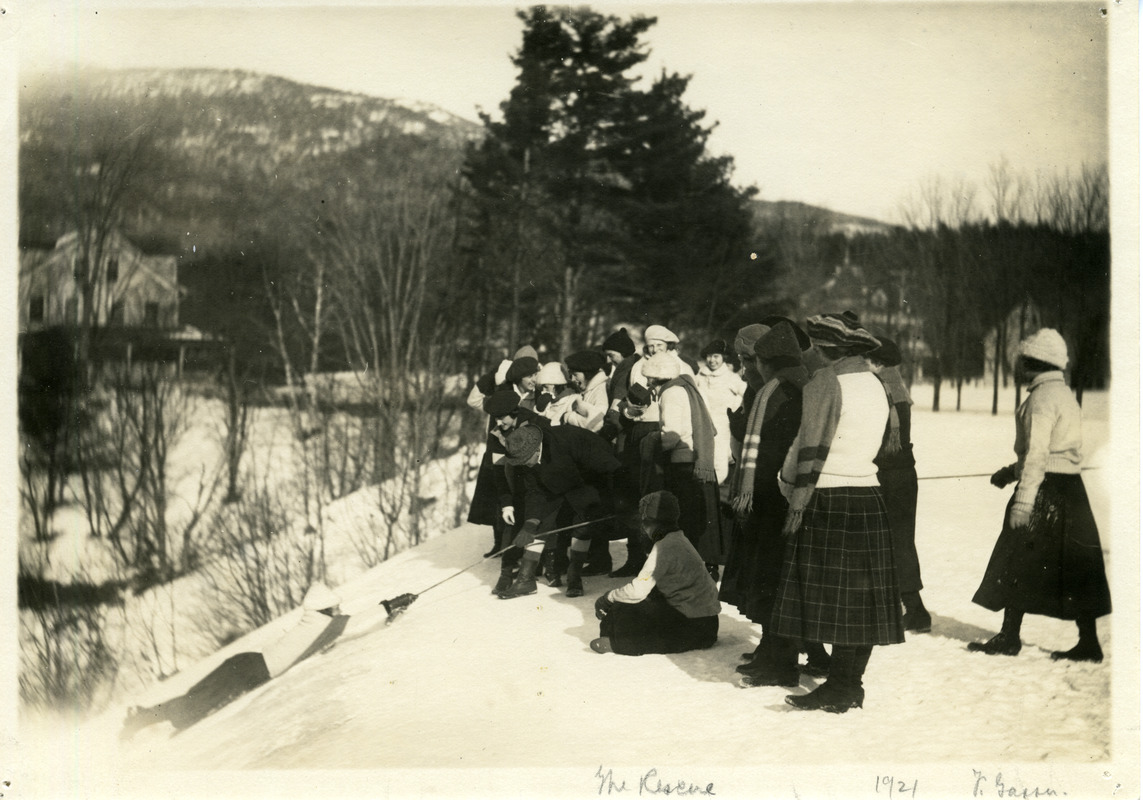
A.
pixel 543 400
pixel 527 533
pixel 396 605
pixel 1019 515
pixel 1003 476
pixel 508 514
pixel 603 606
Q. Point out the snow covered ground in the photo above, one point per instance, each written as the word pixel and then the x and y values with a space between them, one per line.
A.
pixel 470 696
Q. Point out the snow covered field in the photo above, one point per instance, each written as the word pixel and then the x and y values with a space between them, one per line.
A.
pixel 467 695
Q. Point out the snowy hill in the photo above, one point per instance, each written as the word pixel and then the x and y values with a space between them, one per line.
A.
pixel 466 695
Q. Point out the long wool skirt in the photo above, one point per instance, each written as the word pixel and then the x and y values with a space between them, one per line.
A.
pixel 899 490
pixel 838 584
pixel 754 563
pixel 1054 566
pixel 655 626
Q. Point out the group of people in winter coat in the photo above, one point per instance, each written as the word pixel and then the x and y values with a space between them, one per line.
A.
pixel 788 491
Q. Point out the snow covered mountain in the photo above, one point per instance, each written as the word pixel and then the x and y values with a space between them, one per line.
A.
pixel 466 695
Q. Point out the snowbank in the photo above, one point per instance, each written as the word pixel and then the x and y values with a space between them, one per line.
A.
pixel 467 695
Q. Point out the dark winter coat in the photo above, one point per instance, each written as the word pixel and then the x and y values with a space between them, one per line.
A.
pixel 575 466
pixel 754 564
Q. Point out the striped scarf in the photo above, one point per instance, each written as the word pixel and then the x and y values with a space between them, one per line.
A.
pixel 744 475
pixel 702 429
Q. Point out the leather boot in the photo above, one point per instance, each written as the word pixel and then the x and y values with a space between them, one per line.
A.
pixel 1088 648
pixel 917 618
pixel 551 574
pixel 842 689
pixel 508 564
pixel 575 573
pixel 525 581
pixel 599 557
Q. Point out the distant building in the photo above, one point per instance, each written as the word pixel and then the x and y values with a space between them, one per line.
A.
pixel 133 290
pixel 136 305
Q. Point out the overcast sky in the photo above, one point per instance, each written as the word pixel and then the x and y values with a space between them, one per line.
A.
pixel 845 105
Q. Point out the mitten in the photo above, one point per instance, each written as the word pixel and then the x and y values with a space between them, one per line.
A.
pixel 1003 476
pixel 603 606
pixel 527 533
pixel 1019 515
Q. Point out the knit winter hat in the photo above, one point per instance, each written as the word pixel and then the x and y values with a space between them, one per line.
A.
pixel 661 507
pixel 639 395
pixel 320 597
pixel 657 333
pixel 521 368
pixel 551 374
pixel 840 330
pixel 661 366
pixel 501 403
pixel 620 342
pixel 779 346
pixel 803 340
pixel 744 341
pixel 588 362
pixel 521 444
pixel 888 353
pixel 527 351
pixel 1046 345
pixel 717 346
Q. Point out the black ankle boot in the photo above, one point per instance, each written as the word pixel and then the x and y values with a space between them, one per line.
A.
pixel 551 574
pixel 525 581
pixel 575 573
pixel 917 618
pixel 1002 644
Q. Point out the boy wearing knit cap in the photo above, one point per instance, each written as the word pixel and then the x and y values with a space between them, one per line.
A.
pixel 1048 558
pixel 672 605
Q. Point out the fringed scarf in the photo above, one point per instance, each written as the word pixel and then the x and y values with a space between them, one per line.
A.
pixel 743 493
pixel 897 393
pixel 702 429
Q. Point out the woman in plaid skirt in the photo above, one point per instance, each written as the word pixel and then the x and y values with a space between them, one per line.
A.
pixel 1048 559
pixel 838 584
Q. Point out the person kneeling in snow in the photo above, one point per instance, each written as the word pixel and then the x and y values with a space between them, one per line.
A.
pixel 319 626
pixel 672 605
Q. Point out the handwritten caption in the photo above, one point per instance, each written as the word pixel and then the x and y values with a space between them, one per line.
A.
pixel 649 783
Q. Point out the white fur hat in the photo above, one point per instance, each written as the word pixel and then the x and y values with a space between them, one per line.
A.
pixel 551 374
pixel 661 366
pixel 320 597
pixel 659 334
pixel 1046 345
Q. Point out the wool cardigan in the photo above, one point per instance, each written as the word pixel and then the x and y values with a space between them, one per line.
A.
pixel 1049 435
pixel 677 570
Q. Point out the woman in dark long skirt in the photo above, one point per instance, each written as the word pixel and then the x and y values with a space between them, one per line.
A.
pixel 1048 559
pixel 754 564
pixel 838 584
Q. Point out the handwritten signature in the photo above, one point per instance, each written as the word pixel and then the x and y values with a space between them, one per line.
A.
pixel 982 787
pixel 649 783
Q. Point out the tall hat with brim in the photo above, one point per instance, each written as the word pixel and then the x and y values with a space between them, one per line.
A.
pixel 551 374
pixel 619 342
pixel 320 597
pixel 661 507
pixel 803 340
pixel 840 330
pixel 501 403
pixel 779 347
pixel 521 444
pixel 521 368
pixel 661 366
pixel 744 341
pixel 657 333
pixel 1046 345
pixel 888 353
pixel 588 362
